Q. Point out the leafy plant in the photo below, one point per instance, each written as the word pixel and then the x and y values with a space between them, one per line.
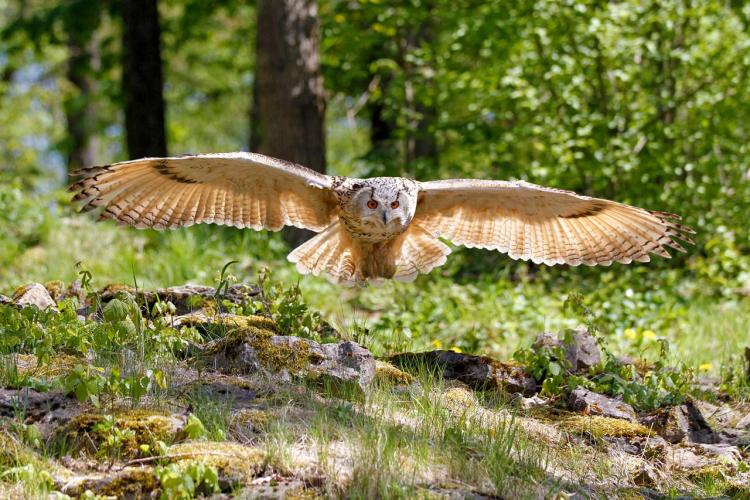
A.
pixel 187 481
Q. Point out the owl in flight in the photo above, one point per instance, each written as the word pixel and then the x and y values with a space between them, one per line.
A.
pixel 378 228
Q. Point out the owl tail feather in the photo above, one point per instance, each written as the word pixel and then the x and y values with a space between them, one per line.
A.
pixel 351 262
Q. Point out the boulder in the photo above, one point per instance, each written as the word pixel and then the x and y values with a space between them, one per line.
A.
pixel 682 422
pixel 252 345
pixel 478 372
pixel 580 346
pixel 592 403
pixel 33 294
pixel 186 298
pixel 48 411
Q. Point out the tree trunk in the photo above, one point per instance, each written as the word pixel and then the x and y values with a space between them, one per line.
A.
pixel 80 109
pixel 142 81
pixel 289 96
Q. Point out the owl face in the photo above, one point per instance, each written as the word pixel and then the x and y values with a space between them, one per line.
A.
pixel 385 204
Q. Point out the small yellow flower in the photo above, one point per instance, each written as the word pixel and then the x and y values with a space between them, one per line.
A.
pixel 629 334
pixel 706 367
pixel 456 349
pixel 437 344
pixel 649 335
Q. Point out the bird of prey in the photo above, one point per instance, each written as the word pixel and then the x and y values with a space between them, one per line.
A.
pixel 376 228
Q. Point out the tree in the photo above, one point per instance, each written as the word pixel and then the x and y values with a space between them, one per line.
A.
pixel 289 96
pixel 289 100
pixel 81 23
pixel 142 80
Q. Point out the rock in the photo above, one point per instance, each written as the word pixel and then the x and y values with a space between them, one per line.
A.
pixel 236 464
pixel 33 294
pixel 90 432
pixel 230 394
pixel 725 453
pixel 581 349
pixel 479 372
pixel 528 403
pixel 678 423
pixel 5 301
pixel 185 298
pixel 743 423
pixel 48 411
pixel 592 403
pixel 602 427
pixel 131 482
pixel 252 345
pixel 646 475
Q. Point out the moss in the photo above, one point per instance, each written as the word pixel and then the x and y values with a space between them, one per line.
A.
pixel 386 372
pixel 55 288
pixel 18 292
pixel 140 427
pixel 58 366
pixel 133 482
pixel 257 331
pixel 598 426
pixel 235 463
pixel 112 289
pixel 256 419
pixel 460 398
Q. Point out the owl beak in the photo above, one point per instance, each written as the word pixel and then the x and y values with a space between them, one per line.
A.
pixel 385 218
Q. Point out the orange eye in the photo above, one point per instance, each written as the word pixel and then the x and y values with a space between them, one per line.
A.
pixel 394 204
pixel 372 204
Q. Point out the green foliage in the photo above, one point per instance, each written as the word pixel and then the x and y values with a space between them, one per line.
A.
pixel 188 481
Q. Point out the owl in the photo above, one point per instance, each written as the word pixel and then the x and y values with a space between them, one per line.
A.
pixel 378 228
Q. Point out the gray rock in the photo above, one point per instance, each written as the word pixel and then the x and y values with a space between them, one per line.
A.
pixel 725 453
pixel 288 356
pixel 185 298
pixel 581 350
pixel 743 423
pixel 678 423
pixel 478 372
pixel 33 294
pixel 592 403
pixel 47 410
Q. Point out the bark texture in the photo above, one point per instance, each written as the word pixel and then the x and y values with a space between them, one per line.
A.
pixel 142 79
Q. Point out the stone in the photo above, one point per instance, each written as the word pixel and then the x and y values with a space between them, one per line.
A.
pixel 592 403
pixel 528 403
pixel 725 453
pixel 252 345
pixel 5 301
pixel 743 423
pixel 646 475
pixel 682 422
pixel 581 349
pixel 478 372
pixel 33 294
pixel 131 482
pixel 48 411
pixel 186 298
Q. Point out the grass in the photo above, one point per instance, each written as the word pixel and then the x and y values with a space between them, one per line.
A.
pixel 392 442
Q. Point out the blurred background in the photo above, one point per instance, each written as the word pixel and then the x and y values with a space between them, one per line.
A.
pixel 645 102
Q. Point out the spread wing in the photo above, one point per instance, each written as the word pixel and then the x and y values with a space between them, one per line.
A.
pixel 233 189
pixel 545 225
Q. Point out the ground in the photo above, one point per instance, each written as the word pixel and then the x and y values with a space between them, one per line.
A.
pixel 195 392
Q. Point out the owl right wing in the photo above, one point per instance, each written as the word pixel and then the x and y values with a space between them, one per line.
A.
pixel 233 189
pixel 544 225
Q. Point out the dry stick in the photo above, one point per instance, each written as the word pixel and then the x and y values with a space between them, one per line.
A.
pixel 139 461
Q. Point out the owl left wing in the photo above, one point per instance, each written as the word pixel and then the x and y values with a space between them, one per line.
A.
pixel 544 225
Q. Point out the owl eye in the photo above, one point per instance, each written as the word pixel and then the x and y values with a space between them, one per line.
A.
pixel 372 204
pixel 394 204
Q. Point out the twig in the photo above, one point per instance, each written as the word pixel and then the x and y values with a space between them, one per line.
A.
pixel 146 460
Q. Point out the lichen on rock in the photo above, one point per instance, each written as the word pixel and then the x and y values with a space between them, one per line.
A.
pixel 91 432
pixel 599 427
pixel 386 372
pixel 236 464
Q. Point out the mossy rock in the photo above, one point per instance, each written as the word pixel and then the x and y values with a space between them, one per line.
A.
pixel 599 427
pixel 131 482
pixel 236 464
pixel 135 433
pixel 250 419
pixel 230 353
pixel 58 366
pixel 386 372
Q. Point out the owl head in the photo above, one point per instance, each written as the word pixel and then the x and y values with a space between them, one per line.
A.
pixel 383 202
